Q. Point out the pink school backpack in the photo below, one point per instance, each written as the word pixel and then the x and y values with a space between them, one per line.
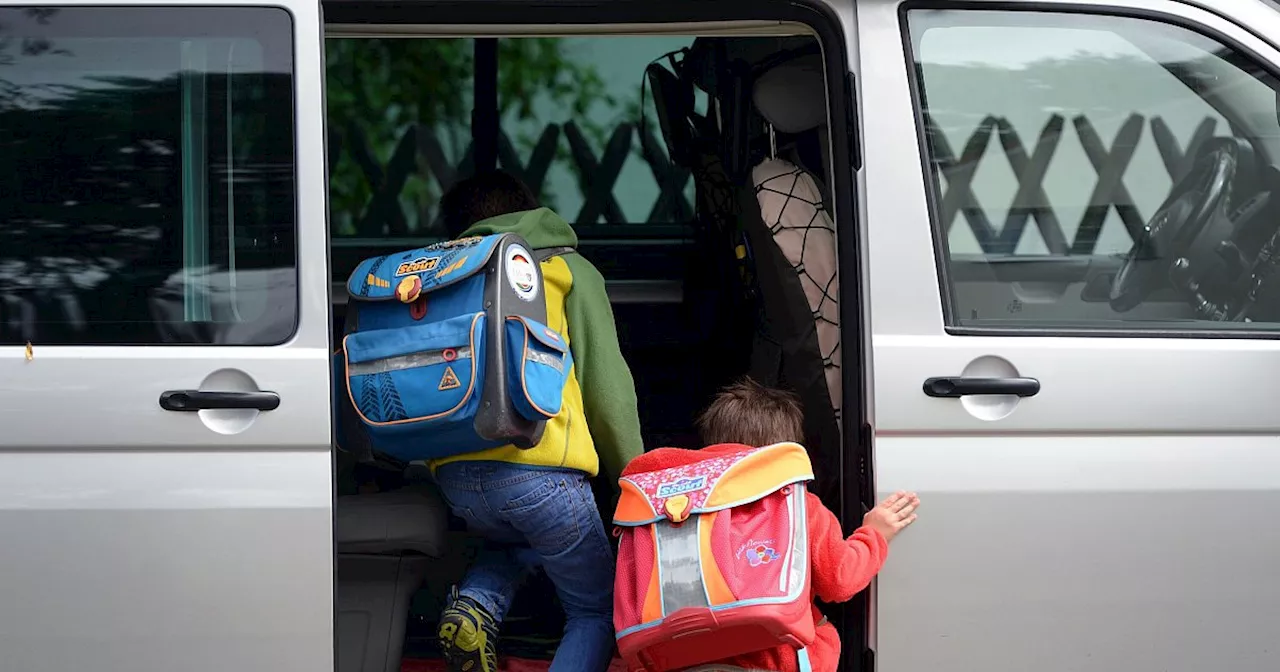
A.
pixel 714 559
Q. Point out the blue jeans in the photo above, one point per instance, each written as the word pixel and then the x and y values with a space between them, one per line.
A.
pixel 534 518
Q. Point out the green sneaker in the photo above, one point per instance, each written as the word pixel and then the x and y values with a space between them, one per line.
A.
pixel 468 636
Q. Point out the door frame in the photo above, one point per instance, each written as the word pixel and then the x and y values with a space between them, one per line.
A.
pixel 832 23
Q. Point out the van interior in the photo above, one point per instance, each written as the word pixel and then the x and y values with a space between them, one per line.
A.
pixel 694 167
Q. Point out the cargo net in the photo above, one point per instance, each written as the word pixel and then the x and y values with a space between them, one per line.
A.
pixel 791 207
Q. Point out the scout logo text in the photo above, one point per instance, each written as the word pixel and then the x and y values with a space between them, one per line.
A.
pixel 419 265
pixel 681 486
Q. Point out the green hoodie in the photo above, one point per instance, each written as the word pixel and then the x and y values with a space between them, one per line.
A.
pixel 577 306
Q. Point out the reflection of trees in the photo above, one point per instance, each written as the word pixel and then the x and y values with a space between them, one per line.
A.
pixel 381 88
pixel 92 193
pixel 11 47
pixel 1100 85
pixel 1076 84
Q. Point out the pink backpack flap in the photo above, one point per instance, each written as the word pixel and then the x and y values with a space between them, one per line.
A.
pixel 714 559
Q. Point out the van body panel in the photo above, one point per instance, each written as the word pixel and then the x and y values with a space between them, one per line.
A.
pixel 1118 519
pixel 144 540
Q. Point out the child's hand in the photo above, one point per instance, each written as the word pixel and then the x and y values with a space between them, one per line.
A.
pixel 894 514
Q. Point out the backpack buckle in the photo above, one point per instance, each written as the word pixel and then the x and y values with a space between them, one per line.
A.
pixel 677 508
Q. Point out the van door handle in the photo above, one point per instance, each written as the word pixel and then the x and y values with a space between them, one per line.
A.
pixel 199 400
pixel 959 386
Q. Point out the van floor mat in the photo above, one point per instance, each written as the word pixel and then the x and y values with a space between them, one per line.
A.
pixel 505 665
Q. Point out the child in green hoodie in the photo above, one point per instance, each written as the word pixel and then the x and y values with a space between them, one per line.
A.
pixel 535 507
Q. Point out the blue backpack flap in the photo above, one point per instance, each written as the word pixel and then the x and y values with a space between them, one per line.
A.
pixel 538 361
pixel 427 360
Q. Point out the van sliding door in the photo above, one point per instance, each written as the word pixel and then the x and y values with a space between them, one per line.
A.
pixel 165 479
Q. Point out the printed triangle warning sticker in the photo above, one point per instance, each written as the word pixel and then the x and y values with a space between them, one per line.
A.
pixel 449 381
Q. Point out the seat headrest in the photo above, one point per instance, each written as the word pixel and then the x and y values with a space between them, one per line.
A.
pixel 709 57
pixel 793 95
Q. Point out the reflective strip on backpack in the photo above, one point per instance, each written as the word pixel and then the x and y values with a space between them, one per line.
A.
pixel 680 577
pixel 412 360
pixel 679 571
pixel 799 541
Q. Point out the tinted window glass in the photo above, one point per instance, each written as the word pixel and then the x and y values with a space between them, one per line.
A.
pixel 393 125
pixel 1098 172
pixel 569 107
pixel 609 175
pixel 146 176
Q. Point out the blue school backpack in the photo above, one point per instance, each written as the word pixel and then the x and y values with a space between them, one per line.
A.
pixel 446 352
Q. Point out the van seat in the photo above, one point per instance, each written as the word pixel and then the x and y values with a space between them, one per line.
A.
pixel 386 542
pixel 409 519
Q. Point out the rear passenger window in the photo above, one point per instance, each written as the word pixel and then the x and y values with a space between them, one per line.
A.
pixel 608 172
pixel 1098 172
pixel 146 176
pixel 569 111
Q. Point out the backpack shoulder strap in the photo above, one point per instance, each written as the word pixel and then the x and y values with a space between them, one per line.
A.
pixel 544 253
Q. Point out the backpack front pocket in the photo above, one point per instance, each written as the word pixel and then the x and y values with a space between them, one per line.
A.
pixel 538 364
pixel 419 374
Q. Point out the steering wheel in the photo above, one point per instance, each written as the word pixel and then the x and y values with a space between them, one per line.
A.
pixel 1195 200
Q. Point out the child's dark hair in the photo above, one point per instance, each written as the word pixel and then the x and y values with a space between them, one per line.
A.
pixel 748 412
pixel 484 195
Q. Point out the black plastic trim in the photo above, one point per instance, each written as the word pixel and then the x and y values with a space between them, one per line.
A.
pixel 575 12
pixel 933 188
pixel 851 121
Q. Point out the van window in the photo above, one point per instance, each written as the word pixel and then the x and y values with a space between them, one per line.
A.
pixel 569 111
pixel 147 176
pixel 1054 140
pixel 609 175
pixel 389 119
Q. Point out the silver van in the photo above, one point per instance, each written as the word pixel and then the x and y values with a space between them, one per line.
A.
pixel 1054 225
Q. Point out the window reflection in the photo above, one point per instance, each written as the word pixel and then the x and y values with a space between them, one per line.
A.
pixel 146 176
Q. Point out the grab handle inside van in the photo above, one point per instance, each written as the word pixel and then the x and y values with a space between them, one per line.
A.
pixel 958 386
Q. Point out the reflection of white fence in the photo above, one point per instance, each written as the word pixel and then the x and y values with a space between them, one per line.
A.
pixel 598 175
pixel 1030 166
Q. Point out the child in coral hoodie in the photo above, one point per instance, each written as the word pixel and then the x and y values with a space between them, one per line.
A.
pixel 749 413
